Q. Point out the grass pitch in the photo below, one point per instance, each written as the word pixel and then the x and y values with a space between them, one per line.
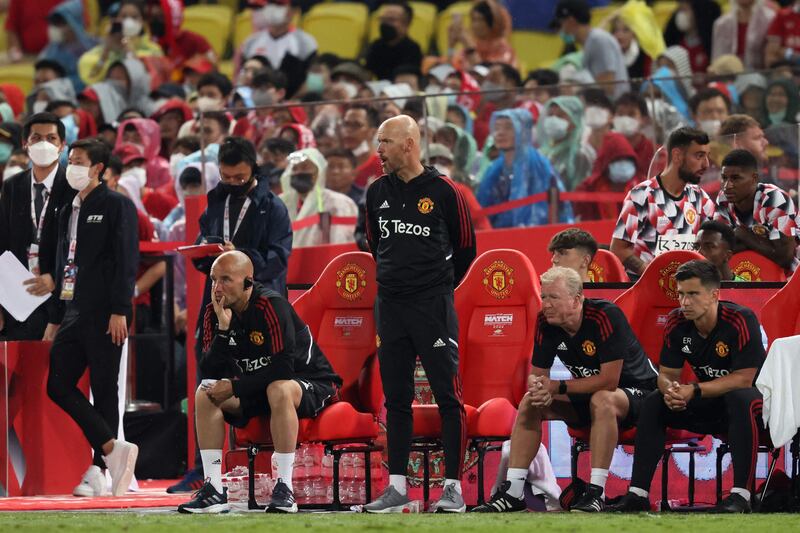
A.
pixel 86 522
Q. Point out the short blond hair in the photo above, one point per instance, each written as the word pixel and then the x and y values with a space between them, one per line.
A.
pixel 572 280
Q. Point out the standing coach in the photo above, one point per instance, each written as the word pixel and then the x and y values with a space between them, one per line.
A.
pixel 420 232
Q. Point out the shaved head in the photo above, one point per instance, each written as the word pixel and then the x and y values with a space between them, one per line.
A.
pixel 236 263
pixel 228 275
pixel 399 147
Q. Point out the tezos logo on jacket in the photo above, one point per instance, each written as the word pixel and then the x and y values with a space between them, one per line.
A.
pixel 398 226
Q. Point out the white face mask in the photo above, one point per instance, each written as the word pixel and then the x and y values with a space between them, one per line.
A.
pixel 445 170
pixel 78 177
pixel 43 153
pixel 361 149
pixel 174 161
pixel 627 126
pixel 555 128
pixel 710 127
pixel 621 171
pixel 683 21
pixel 11 171
pixel 131 27
pixel 39 106
pixel 139 173
pixel 274 15
pixel 55 34
pixel 596 117
pixel 206 103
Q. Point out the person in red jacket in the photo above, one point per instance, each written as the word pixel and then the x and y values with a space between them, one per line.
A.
pixel 164 19
pixel 26 27
pixel 614 170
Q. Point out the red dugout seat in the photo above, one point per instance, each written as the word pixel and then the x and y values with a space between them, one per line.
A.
pixel 753 266
pixel 606 268
pixel 497 303
pixel 646 306
pixel 338 311
pixel 780 316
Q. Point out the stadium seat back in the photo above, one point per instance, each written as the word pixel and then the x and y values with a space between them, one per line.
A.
pixel 536 49
pixel 212 22
pixel 647 304
pixel 339 28
pixel 497 303
pixel 753 266
pixel 242 27
pixel 780 315
pixel 458 9
pixel 19 74
pixel 606 268
pixel 421 29
pixel 3 35
pixel 663 10
pixel 338 309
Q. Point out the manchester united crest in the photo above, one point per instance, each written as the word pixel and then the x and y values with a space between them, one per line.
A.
pixel 748 271
pixel 498 279
pixel 425 205
pixel 667 280
pixel 350 282
pixel 760 230
pixel 257 338
pixel 589 348
pixel 722 349
pixel 596 273
pixel 691 216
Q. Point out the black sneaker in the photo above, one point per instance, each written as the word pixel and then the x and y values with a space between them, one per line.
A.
pixel 734 503
pixel 206 501
pixel 630 503
pixel 282 499
pixel 502 502
pixel 591 502
pixel 572 493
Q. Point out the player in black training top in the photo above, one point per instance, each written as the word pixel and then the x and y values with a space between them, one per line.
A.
pixel 722 343
pixel 420 232
pixel 611 377
pixel 259 359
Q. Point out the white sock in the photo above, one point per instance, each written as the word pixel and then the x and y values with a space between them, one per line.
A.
pixel 744 493
pixel 639 492
pixel 517 477
pixel 212 467
pixel 399 483
pixel 599 477
pixel 455 482
pixel 285 464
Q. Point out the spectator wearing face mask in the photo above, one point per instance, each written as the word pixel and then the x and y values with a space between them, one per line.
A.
pixel 691 27
pixel 287 48
pixel 614 171
pixel 358 128
pixel 306 197
pixel 164 20
pixel 26 27
pixel 146 134
pixel 709 109
pixel 442 160
pixel 341 174
pixel 559 133
pixel 51 84
pixel 10 141
pixel 630 118
pixel 268 88
pixel 597 117
pixel 781 102
pixel 487 37
pixel 17 162
pixel 127 37
pixel 68 39
pixel 214 91
pixel 393 48
pixel 518 172
pixel 500 83
pixel 170 116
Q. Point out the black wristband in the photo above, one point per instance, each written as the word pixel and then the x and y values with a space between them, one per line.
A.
pixel 698 392
pixel 562 387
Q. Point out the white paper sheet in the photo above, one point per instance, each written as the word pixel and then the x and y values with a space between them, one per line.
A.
pixel 14 296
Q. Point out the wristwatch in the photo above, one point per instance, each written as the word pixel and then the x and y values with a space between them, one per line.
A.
pixel 698 392
pixel 562 387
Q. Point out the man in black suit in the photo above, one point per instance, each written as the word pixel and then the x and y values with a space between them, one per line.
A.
pixel 29 205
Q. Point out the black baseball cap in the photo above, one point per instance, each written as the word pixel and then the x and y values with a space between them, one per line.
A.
pixel 578 9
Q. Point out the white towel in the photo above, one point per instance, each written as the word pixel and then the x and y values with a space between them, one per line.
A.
pixel 777 382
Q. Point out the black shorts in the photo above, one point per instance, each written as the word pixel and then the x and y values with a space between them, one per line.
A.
pixel 636 396
pixel 316 395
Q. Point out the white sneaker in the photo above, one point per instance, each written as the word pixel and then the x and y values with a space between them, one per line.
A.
pixel 121 463
pixel 92 484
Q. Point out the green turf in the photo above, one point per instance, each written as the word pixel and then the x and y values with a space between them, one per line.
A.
pixel 346 523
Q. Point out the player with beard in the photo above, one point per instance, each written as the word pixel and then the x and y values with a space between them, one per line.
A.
pixel 665 212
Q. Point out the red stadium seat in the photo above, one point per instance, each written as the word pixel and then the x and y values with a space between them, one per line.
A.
pixel 646 306
pixel 606 268
pixel 338 311
pixel 753 266
pixel 497 303
pixel 780 316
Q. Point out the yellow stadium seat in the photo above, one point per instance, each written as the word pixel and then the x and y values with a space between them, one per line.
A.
pixel 226 67
pixel 19 74
pixel 599 14
pixel 3 37
pixel 339 28
pixel 536 49
pixel 663 11
pixel 421 29
pixel 446 17
pixel 212 22
pixel 243 26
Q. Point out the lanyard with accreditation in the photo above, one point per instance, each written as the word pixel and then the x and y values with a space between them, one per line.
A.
pixel 70 268
pixel 226 226
pixel 33 249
